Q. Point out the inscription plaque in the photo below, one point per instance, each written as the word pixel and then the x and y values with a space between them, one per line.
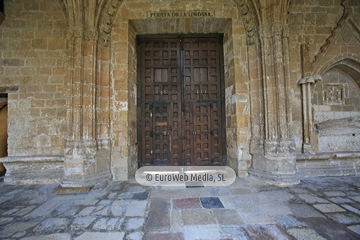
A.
pixel 182 14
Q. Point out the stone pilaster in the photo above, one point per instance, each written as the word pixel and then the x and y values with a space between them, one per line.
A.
pixel 275 159
pixel 88 145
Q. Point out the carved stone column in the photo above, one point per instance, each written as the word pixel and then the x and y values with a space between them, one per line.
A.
pixel 88 145
pixel 277 162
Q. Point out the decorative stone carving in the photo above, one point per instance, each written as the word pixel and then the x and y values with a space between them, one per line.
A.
pixel 250 23
pixel 106 23
pixel 333 94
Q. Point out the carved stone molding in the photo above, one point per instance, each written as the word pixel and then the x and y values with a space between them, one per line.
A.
pixel 247 11
pixel 328 42
pixel 107 20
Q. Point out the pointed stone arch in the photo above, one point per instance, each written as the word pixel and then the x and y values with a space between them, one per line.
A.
pixel 343 42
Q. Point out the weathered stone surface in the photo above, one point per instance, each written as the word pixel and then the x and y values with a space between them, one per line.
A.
pixel 239 221
pixel 24 211
pixel 211 202
pixel 329 229
pixel 312 199
pixel 186 203
pixel 134 236
pixel 356 198
pixel 163 236
pixel 234 233
pixel 197 217
pixel 352 209
pixel 109 224
pixel 86 211
pixel 304 234
pixel 134 223
pixel 11 229
pixel 136 208
pixel 202 232
pixel 278 195
pixel 334 194
pixel 275 209
pixel 180 193
pixel 266 231
pixel 101 210
pixel 67 190
pixel 158 216
pixel 355 229
pixel 217 191
pixel 176 221
pixel 4 221
pixel 345 218
pixel 289 221
pixel 228 217
pixel 101 235
pixel 326 208
pixel 53 224
pixel 304 211
pixel 340 200
pixel 258 219
pixel 81 222
pixel 55 236
pixel 140 196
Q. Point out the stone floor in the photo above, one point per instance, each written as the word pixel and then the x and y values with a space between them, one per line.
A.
pixel 317 208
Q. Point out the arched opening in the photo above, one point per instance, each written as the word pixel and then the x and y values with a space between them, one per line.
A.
pixel 336 107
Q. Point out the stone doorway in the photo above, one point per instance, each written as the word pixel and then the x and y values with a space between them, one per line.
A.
pixel 181 100
pixel 125 151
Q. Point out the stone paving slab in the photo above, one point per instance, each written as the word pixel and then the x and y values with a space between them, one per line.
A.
pixel 355 229
pixel 344 218
pixel 289 221
pixel 266 232
pixel 159 216
pixel 305 234
pixel 210 232
pixel 55 236
pixel 197 217
pixel 186 203
pixel 228 217
pixel 101 235
pixel 329 229
pixel 326 208
pixel 316 208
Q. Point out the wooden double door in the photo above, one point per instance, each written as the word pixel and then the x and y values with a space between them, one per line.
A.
pixel 180 100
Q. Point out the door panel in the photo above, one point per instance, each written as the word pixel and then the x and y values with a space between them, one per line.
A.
pixel 180 101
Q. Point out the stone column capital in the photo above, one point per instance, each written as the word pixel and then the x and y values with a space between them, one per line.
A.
pixel 311 80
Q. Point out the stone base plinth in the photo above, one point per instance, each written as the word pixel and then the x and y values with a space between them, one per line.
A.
pixel 33 169
pixel 275 177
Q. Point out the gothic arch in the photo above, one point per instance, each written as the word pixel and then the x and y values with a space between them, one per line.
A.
pixel 346 64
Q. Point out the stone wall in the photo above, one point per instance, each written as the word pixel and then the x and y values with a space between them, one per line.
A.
pixel 33 56
pixel 69 69
pixel 33 50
